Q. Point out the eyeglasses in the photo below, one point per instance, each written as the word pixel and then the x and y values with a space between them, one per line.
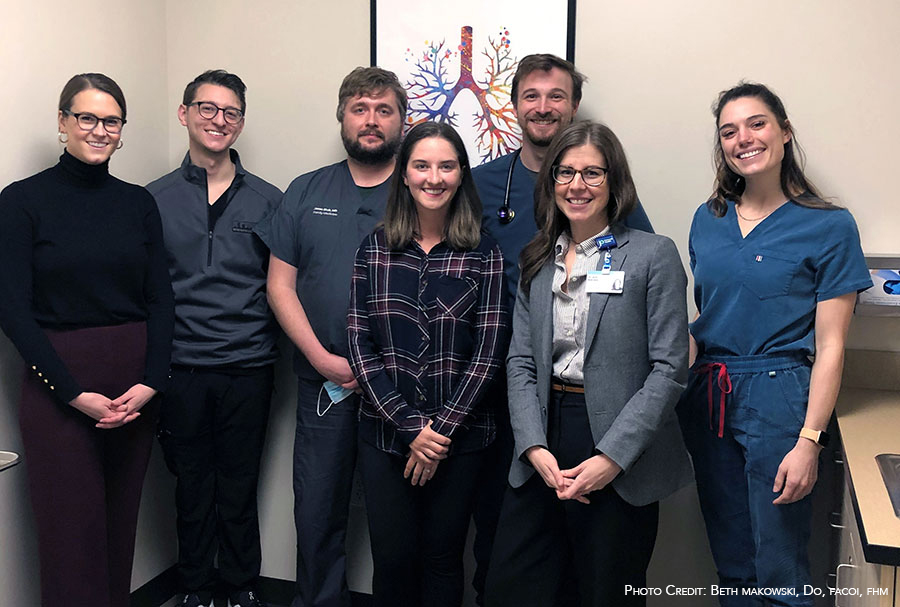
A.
pixel 88 122
pixel 209 110
pixel 591 176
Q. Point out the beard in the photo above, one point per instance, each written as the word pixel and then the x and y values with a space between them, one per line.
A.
pixel 543 141
pixel 380 154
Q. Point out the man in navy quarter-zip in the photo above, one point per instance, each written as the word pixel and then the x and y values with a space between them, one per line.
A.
pixel 214 414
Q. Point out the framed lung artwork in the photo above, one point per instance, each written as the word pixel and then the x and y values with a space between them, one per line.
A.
pixel 457 60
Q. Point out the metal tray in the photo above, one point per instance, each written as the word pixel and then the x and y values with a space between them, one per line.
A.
pixel 8 459
pixel 889 464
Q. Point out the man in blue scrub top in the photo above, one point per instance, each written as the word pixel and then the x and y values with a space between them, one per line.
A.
pixel 546 92
pixel 313 237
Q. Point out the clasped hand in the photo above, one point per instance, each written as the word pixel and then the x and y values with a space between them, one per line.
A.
pixel 592 474
pixel 425 453
pixel 337 369
pixel 113 413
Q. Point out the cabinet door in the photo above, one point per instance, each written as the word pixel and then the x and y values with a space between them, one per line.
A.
pixel 859 583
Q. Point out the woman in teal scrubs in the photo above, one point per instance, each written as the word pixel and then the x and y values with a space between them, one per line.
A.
pixel 776 272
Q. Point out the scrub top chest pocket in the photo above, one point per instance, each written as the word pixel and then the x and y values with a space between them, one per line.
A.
pixel 768 273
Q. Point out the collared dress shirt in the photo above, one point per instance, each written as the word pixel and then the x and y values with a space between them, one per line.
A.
pixel 427 332
pixel 570 307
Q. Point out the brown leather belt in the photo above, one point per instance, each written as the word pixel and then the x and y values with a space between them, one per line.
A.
pixel 557 387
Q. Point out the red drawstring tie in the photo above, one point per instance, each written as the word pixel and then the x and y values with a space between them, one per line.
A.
pixel 724 382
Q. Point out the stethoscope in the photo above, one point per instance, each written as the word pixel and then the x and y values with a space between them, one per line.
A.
pixel 506 213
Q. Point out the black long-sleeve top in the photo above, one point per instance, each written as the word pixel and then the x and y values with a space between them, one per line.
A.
pixel 80 248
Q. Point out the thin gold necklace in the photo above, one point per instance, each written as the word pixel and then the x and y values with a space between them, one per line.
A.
pixel 737 208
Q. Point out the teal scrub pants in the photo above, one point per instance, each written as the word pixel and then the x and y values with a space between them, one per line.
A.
pixel 740 416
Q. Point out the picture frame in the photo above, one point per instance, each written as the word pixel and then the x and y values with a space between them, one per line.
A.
pixel 457 61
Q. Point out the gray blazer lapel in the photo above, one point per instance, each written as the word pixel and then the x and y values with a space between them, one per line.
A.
pixel 542 309
pixel 598 300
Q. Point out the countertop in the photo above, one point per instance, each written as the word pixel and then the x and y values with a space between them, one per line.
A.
pixel 869 422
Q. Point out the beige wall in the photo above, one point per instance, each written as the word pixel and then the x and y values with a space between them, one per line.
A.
pixel 292 56
pixel 654 68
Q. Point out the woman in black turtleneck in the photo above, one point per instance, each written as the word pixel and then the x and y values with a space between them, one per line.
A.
pixel 85 297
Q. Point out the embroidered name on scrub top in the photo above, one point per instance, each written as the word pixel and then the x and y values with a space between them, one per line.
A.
pixel 244 227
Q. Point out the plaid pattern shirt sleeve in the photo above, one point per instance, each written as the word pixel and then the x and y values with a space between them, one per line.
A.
pixel 491 326
pixel 366 359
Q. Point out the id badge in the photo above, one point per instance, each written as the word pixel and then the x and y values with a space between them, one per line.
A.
pixel 605 282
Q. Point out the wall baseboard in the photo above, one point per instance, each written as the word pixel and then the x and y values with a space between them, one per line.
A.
pixel 278 592
pixel 157 591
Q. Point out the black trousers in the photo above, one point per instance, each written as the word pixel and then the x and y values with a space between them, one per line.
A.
pixel 212 428
pixel 85 483
pixel 491 485
pixel 550 553
pixel 418 533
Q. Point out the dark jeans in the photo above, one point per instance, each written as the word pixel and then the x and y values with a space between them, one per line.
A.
pixel 754 542
pixel 85 483
pixel 324 461
pixel 212 429
pixel 550 553
pixel 418 533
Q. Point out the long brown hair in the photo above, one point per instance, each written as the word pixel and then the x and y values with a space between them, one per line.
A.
pixel 550 220
pixel 462 230
pixel 729 185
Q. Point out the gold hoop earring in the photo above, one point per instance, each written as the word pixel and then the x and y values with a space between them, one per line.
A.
pixel 121 143
pixel 60 136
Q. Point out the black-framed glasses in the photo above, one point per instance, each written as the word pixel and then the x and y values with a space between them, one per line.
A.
pixel 591 176
pixel 209 110
pixel 88 122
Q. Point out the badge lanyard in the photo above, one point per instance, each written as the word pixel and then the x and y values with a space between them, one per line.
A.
pixel 607 262
pixel 605 244
pixel 605 280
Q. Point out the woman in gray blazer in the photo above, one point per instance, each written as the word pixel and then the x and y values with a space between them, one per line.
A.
pixel 597 362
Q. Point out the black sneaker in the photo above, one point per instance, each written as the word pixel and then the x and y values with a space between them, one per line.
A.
pixel 245 598
pixel 202 599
